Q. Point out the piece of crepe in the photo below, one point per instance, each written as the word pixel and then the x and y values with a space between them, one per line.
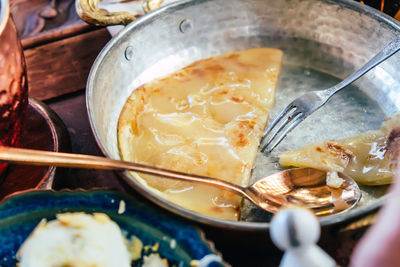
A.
pixel 368 158
pixel 205 119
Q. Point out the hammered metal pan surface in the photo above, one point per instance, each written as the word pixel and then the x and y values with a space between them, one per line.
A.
pixel 323 41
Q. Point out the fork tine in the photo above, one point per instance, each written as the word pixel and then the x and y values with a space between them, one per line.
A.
pixel 276 121
pixel 287 130
pixel 288 119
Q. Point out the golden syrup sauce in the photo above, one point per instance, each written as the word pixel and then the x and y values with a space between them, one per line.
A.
pixel 205 119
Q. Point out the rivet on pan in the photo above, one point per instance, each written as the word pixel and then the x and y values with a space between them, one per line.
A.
pixel 129 53
pixel 185 25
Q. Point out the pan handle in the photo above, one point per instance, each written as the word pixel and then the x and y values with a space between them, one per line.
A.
pixel 89 11
pixel 361 223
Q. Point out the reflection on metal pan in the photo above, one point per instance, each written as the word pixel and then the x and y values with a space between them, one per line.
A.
pixel 323 41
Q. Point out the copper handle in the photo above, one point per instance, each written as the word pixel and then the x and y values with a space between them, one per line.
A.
pixel 89 11
pixel 59 159
pixel 361 223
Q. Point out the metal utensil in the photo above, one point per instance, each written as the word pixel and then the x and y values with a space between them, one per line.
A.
pixel 306 104
pixel 304 186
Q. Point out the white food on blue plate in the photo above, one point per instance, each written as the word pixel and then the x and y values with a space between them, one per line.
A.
pixel 76 239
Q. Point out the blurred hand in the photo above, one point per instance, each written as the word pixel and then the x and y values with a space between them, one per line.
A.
pixel 381 244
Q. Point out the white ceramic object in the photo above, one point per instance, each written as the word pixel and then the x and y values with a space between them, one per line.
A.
pixel 296 231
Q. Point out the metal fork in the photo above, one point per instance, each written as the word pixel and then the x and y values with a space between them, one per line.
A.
pixel 304 105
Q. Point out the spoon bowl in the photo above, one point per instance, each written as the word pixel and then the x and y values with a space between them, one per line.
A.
pixel 303 186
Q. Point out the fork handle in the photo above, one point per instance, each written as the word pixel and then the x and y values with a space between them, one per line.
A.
pixel 385 53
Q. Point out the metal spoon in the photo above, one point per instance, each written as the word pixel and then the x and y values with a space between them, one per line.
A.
pixel 305 186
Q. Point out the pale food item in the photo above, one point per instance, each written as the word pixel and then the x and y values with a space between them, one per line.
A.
pixel 83 240
pixel 75 239
pixel 154 260
pixel 368 158
pixel 333 179
pixel 205 119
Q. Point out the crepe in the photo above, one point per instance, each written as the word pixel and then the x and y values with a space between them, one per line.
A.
pixel 368 158
pixel 205 119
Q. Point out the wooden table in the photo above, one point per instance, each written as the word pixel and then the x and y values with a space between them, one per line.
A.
pixel 58 63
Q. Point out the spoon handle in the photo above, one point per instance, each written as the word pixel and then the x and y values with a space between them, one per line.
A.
pixel 49 158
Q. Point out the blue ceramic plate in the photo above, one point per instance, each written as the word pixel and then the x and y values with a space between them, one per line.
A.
pixel 178 241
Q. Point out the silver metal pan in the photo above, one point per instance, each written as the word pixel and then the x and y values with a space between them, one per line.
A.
pixel 323 41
